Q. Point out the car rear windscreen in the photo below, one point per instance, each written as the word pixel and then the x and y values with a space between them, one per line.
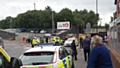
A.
pixel 37 58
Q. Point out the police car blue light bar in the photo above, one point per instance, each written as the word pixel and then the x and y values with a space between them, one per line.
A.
pixel 46 44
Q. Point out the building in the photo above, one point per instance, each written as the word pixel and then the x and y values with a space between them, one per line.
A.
pixel 114 36
pixel 115 28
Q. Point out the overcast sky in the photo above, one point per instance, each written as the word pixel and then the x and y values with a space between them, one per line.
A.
pixel 12 8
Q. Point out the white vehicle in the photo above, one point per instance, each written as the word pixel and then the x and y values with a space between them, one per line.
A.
pixel 47 57
pixel 69 41
pixel 42 31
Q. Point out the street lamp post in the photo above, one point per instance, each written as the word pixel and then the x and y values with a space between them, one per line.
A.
pixel 10 23
pixel 97 15
pixel 53 24
pixel 34 14
pixel 34 6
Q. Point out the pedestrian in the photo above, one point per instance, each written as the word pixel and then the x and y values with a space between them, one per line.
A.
pixel 92 41
pixel 81 42
pixel 63 39
pixel 32 44
pixel 86 47
pixel 41 40
pixel 74 50
pixel 99 56
pixel 46 40
pixel 92 44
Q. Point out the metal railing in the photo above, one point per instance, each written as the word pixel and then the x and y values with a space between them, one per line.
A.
pixel 114 44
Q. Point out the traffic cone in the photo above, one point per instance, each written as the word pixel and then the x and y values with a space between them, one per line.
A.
pixel 21 44
pixel 10 39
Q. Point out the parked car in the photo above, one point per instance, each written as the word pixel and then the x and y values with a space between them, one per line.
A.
pixel 42 31
pixel 70 40
pixel 1 42
pixel 21 30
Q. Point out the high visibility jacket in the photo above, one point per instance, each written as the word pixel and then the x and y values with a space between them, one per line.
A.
pixel 34 41
pixel 38 40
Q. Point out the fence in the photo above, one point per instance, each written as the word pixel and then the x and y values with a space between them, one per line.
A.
pixel 114 44
pixel 114 39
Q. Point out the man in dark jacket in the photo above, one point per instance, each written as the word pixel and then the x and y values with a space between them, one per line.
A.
pixel 46 40
pixel 86 47
pixel 99 55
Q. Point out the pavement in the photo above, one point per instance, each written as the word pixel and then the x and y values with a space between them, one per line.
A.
pixel 80 63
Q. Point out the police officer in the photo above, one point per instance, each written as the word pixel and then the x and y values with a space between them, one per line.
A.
pixel 38 41
pixel 34 42
pixel 57 41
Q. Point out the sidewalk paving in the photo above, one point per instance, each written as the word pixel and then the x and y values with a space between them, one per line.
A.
pixel 80 63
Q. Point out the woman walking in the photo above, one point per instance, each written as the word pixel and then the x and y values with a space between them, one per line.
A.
pixel 74 50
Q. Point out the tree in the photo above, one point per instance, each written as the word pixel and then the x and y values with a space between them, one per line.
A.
pixel 48 8
pixel 107 26
pixel 65 15
pixel 43 18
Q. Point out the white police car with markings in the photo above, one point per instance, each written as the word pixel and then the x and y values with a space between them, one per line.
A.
pixel 47 57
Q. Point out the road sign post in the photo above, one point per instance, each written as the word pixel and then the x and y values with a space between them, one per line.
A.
pixel 88 28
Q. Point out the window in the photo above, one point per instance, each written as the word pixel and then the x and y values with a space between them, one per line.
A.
pixel 37 58
pixel 63 53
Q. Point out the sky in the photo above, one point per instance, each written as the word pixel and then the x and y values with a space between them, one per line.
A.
pixel 12 8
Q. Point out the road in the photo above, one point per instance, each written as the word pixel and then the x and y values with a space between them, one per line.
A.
pixel 15 49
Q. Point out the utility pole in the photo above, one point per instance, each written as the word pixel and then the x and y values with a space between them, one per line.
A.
pixel 34 6
pixel 53 24
pixel 97 16
pixel 10 23
pixel 34 19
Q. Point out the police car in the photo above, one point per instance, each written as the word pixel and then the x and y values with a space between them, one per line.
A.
pixel 47 57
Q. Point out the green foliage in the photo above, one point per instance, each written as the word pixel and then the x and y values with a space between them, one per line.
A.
pixel 43 18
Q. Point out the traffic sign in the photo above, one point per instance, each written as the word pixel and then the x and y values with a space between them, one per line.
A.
pixel 88 28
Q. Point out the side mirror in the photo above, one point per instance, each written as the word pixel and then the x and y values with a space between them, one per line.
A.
pixel 15 63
